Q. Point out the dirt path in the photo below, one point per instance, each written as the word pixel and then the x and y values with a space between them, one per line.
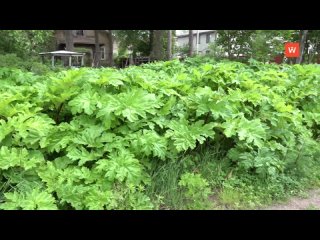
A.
pixel 312 202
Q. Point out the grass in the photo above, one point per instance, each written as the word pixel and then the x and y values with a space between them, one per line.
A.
pixel 165 179
pixel 164 184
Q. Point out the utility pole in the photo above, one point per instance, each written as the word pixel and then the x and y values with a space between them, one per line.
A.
pixel 169 50
pixel 190 43
pixel 197 41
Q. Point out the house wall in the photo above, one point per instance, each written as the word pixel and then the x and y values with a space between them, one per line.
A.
pixel 86 41
pixel 203 45
pixel 87 38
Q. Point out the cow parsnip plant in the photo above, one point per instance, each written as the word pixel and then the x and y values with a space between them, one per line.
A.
pixel 92 138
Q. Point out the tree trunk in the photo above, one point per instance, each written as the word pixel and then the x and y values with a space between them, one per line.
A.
pixel 190 43
pixel 30 37
pixel 303 38
pixel 229 47
pixel 150 41
pixel 157 48
pixel 313 53
pixel 69 40
pixel 97 52
pixel 69 45
pixel 169 50
pixel 109 49
pixel 306 56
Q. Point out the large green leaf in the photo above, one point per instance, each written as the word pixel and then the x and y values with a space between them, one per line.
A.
pixel 86 102
pixel 19 157
pixel 35 200
pixel 121 166
pixel 252 131
pixel 185 135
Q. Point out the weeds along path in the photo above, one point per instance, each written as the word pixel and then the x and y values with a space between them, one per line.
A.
pixel 311 202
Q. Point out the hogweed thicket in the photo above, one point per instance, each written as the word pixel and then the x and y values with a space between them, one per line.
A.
pixel 91 138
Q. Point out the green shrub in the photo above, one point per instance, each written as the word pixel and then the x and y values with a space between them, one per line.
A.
pixel 32 64
pixel 196 191
pixel 112 139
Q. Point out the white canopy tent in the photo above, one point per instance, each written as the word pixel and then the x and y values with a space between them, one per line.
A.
pixel 63 53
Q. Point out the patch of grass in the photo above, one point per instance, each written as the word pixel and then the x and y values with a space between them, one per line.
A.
pixel 230 198
pixel 249 192
pixel 166 177
pixel 164 184
pixel 233 188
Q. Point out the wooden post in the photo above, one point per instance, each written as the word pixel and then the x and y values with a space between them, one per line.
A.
pixel 82 60
pixel 69 61
pixel 131 61
pixel 52 60
pixel 169 50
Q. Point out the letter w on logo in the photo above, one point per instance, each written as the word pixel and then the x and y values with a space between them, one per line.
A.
pixel 292 49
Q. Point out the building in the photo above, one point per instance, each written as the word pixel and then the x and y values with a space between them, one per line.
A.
pixel 84 41
pixel 205 37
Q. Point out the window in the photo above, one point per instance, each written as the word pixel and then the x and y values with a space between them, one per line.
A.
pixel 208 37
pixel 79 33
pixel 199 39
pixel 195 39
pixel 103 53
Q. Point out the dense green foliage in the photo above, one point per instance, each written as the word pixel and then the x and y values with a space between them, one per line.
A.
pixel 25 43
pixel 262 45
pixel 33 64
pixel 139 137
pixel 138 41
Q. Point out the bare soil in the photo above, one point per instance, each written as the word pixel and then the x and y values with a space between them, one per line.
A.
pixel 311 202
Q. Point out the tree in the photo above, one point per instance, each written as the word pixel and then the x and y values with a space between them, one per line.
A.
pixel 69 40
pixel 190 43
pixel 140 40
pixel 236 43
pixel 312 48
pixel 157 48
pixel 108 45
pixel 303 38
pixel 109 48
pixel 150 41
pixel 266 44
pixel 262 45
pixel 97 55
pixel 26 43
pixel 69 44
pixel 169 47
